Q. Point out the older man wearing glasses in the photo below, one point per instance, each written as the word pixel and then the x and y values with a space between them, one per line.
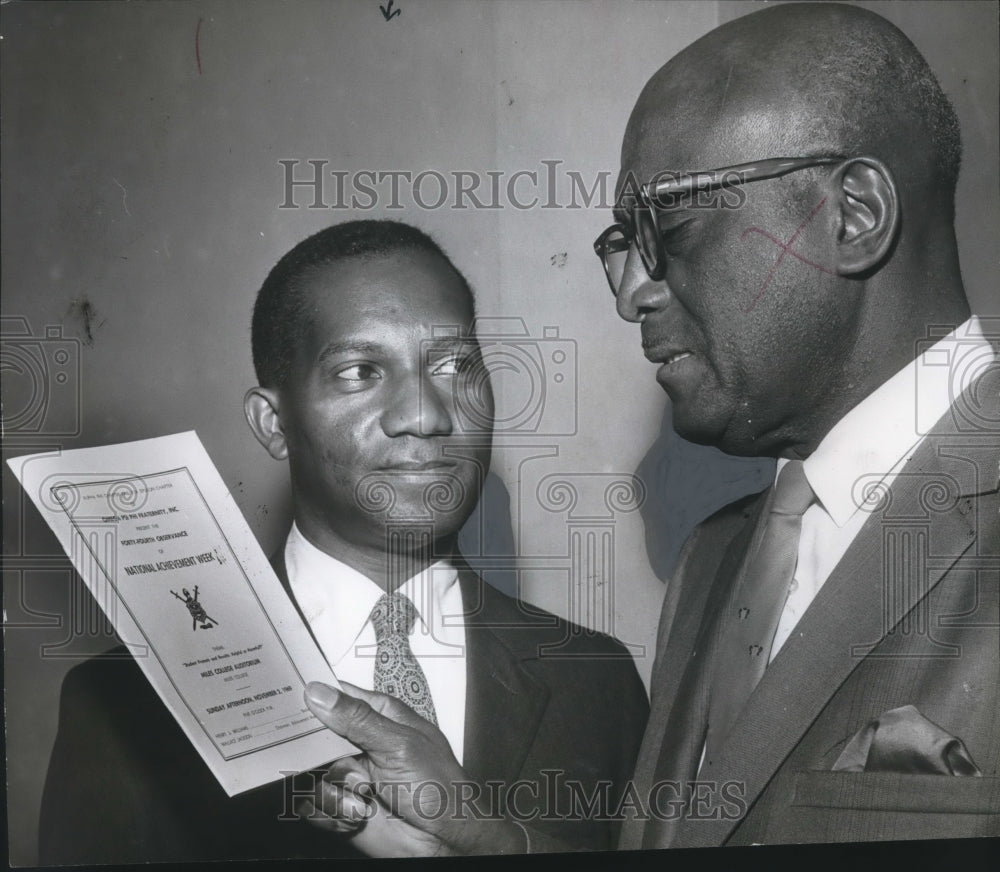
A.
pixel 812 658
pixel 828 663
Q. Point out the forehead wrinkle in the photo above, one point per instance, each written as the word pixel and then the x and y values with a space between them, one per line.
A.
pixel 358 345
pixel 685 132
pixel 349 347
pixel 449 342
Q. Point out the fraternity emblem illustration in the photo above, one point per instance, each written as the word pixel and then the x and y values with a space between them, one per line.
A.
pixel 199 617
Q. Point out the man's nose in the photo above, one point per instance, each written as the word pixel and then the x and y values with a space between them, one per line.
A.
pixel 638 294
pixel 419 407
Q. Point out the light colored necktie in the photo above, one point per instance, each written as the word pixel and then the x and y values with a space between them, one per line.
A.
pixel 749 626
pixel 397 671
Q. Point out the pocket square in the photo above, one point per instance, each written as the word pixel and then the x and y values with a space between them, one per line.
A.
pixel 903 740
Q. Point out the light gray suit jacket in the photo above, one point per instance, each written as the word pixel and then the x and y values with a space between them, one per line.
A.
pixel 909 616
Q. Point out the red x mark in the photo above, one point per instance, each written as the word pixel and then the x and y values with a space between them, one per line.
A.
pixel 786 248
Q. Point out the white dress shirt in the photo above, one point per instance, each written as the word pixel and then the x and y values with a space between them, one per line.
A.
pixel 337 600
pixel 867 448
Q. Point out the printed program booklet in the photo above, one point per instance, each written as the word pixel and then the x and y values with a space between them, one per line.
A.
pixel 160 543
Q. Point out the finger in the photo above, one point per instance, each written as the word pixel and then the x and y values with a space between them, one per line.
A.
pixel 353 778
pixel 341 770
pixel 345 803
pixel 356 719
pixel 306 808
pixel 386 835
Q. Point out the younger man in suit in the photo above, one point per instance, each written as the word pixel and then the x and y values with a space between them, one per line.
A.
pixel 372 387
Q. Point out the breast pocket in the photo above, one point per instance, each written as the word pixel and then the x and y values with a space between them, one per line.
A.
pixel 892 791
pixel 876 806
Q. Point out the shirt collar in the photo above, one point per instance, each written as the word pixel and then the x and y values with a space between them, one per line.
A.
pixel 881 432
pixel 329 590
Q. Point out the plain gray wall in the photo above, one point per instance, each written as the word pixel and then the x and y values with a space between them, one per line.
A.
pixel 141 212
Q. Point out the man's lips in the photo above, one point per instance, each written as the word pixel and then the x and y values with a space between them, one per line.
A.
pixel 677 358
pixel 664 353
pixel 417 465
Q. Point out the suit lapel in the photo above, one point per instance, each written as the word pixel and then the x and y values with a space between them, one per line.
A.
pixel 281 570
pixel 504 702
pixel 678 712
pixel 851 614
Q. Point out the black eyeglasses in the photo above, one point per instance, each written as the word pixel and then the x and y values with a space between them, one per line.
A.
pixel 642 224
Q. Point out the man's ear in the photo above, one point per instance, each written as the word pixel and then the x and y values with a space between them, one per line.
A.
pixel 868 214
pixel 262 407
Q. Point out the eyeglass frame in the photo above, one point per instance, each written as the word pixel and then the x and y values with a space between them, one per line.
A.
pixel 675 185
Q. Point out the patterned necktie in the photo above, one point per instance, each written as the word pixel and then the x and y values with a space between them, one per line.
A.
pixel 397 671
pixel 748 627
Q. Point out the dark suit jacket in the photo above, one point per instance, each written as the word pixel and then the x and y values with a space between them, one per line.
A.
pixel 125 784
pixel 909 616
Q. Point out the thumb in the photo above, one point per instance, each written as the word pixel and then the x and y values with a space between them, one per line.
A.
pixel 354 718
pixel 390 706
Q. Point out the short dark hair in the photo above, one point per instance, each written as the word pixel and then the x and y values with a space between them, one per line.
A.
pixel 281 309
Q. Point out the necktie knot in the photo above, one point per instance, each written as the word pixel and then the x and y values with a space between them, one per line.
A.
pixel 792 492
pixel 393 615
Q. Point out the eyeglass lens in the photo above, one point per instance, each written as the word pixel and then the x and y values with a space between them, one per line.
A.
pixel 616 247
pixel 647 238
